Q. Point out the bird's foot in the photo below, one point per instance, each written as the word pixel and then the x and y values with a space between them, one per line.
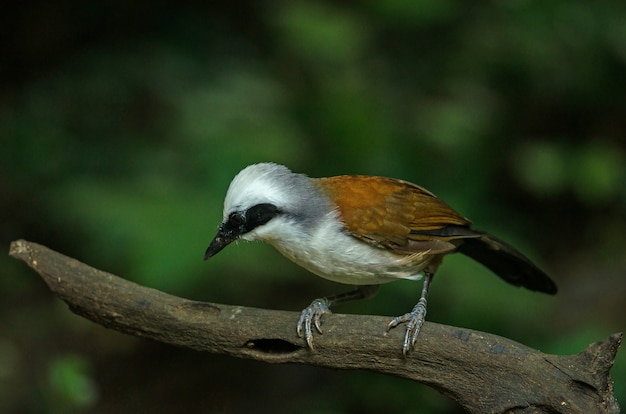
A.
pixel 312 316
pixel 414 321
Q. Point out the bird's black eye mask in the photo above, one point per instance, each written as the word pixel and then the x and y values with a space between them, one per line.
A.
pixel 260 214
pixel 239 222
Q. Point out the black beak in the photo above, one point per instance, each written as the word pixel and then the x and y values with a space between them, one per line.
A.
pixel 220 241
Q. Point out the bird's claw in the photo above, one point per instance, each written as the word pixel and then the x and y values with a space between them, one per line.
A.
pixel 312 316
pixel 414 321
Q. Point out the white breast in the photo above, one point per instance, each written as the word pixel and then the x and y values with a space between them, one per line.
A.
pixel 331 253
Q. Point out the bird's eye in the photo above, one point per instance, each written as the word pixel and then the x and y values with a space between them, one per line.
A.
pixel 243 222
pixel 236 219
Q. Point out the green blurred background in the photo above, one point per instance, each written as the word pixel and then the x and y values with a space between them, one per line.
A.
pixel 122 124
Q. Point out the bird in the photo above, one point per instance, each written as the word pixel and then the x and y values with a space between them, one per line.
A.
pixel 364 231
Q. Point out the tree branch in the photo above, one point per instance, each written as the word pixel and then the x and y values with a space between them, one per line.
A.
pixel 484 373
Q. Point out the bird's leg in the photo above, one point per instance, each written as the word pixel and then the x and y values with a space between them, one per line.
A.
pixel 415 318
pixel 312 314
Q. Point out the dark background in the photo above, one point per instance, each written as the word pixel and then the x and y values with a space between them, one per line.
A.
pixel 122 124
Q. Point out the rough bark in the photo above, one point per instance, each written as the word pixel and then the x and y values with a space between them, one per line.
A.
pixel 484 373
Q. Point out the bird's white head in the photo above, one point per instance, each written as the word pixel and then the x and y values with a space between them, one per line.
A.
pixel 266 200
pixel 264 183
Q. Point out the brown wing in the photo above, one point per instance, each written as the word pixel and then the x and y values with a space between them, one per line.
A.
pixel 396 214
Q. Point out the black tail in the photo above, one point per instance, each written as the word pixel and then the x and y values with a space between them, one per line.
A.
pixel 507 262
